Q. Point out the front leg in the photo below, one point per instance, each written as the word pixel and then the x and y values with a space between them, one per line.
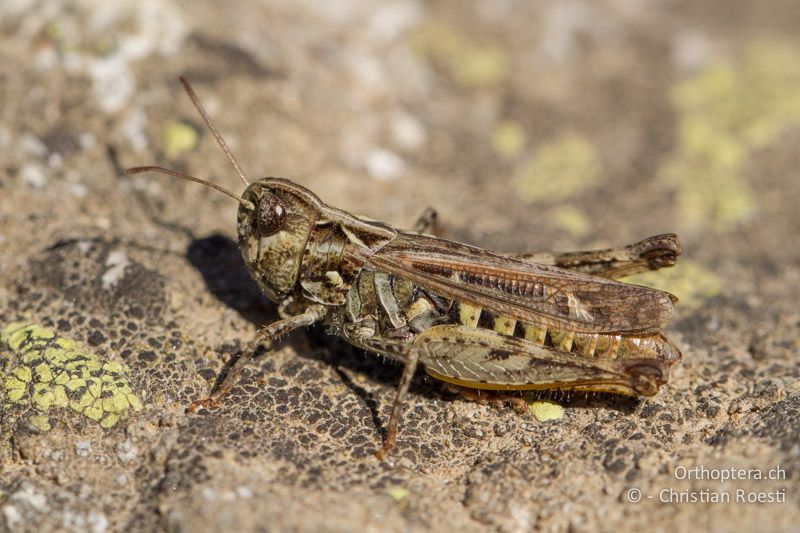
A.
pixel 266 335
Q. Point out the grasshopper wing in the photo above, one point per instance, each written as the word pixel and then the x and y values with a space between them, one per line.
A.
pixel 483 359
pixel 539 294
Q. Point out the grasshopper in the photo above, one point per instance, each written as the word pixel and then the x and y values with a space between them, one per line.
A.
pixel 482 321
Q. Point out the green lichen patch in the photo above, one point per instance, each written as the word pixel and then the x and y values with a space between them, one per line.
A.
pixel 56 372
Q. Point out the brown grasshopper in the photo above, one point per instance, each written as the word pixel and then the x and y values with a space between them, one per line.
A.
pixel 476 319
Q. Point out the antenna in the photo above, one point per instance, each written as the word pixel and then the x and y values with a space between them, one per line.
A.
pixel 214 131
pixel 162 170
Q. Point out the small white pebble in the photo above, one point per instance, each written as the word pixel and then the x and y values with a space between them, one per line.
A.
pixel 30 144
pixel 87 140
pixel 55 160
pixel 117 261
pixel 389 20
pixel 98 522
pixel 244 492
pixel 133 129
pixel 126 451
pixel 46 59
pixel 82 448
pixel 78 190
pixel 407 131
pixel 28 497
pixel 33 175
pixel 384 165
pixel 12 516
pixel 113 82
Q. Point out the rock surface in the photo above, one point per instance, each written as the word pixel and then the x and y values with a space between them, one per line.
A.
pixel 547 125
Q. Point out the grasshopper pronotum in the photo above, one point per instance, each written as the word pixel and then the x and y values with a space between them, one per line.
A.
pixel 477 319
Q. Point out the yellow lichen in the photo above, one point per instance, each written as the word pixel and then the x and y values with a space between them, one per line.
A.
pixel 109 421
pixel 558 170
pixel 42 397
pixel 508 139
pixel 469 63
pixel 727 112
pixel 43 373
pixel 572 220
pixel 93 412
pixel 22 374
pixel 544 411
pixel 54 372
pixel 179 138
pixel 60 398
pixel 689 281
pixel 40 422
pixel 134 401
pixel 15 389
pixel 398 494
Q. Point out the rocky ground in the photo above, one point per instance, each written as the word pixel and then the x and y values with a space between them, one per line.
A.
pixel 542 125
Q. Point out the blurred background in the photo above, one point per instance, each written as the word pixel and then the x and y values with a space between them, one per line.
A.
pixel 527 125
pixel 547 124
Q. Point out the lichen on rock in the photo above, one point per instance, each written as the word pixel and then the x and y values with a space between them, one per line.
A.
pixel 54 372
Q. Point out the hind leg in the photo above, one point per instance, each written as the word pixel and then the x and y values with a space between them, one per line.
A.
pixel 652 253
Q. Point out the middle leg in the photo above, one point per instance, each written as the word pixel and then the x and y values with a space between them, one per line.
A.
pixel 427 222
pixel 397 406
pixel 496 399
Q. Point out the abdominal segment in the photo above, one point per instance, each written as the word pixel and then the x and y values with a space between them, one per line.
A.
pixel 601 345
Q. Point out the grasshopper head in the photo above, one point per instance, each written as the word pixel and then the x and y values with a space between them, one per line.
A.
pixel 276 218
pixel 273 231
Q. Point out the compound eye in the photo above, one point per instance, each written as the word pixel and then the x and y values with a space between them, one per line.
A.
pixel 271 215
